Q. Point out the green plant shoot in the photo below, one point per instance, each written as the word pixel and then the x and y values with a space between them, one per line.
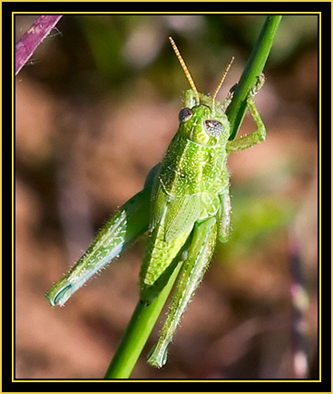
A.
pixel 185 206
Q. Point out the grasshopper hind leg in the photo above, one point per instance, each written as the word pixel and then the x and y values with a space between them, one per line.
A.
pixel 197 260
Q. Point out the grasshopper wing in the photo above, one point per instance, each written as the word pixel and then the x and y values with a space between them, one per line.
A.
pixel 172 221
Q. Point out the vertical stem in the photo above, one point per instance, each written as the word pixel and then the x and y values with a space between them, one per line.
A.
pixel 137 333
pixel 253 69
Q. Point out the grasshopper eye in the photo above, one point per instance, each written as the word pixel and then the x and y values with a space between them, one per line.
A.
pixel 184 115
pixel 213 128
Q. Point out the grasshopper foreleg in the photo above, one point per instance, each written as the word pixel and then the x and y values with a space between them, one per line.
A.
pixel 260 134
pixel 224 223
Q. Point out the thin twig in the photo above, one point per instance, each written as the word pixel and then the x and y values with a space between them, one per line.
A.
pixel 300 303
pixel 31 39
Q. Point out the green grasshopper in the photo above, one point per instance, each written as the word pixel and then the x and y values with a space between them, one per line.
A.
pixel 187 195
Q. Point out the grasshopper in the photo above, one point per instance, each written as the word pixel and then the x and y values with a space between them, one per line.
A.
pixel 185 206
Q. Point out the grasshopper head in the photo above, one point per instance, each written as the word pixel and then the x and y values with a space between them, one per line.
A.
pixel 202 124
pixel 199 121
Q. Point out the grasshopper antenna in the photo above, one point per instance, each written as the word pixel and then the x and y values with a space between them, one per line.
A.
pixel 187 73
pixel 222 80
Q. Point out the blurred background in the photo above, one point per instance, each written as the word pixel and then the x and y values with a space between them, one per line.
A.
pixel 96 108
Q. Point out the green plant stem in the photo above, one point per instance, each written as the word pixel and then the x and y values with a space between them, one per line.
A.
pixel 145 316
pixel 253 69
pixel 137 333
